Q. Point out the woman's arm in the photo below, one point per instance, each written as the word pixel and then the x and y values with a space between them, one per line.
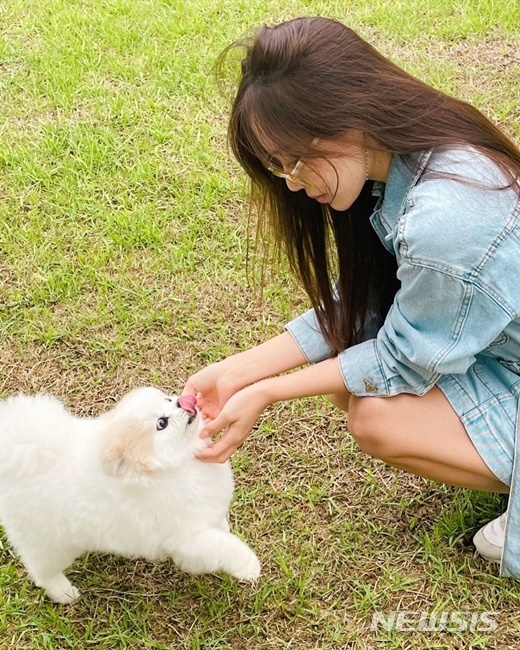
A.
pixel 243 409
pixel 323 378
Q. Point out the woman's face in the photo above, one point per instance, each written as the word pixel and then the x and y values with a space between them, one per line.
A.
pixel 337 179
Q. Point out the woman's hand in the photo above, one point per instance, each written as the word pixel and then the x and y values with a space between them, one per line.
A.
pixel 212 386
pixel 238 417
pixel 215 384
pixel 232 393
pixel 243 409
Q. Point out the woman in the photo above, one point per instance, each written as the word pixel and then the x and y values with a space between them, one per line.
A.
pixel 398 209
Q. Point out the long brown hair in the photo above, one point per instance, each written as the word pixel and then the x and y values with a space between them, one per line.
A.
pixel 316 78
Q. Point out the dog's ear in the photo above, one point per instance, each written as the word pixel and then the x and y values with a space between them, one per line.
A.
pixel 127 447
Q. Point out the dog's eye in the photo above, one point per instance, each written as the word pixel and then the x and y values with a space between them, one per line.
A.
pixel 162 423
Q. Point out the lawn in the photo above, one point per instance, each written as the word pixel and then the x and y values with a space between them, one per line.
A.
pixel 124 242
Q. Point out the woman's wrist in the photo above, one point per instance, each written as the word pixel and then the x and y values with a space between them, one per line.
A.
pixel 265 391
pixel 275 356
pixel 237 371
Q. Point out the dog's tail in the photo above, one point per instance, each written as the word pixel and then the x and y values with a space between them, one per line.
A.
pixel 32 434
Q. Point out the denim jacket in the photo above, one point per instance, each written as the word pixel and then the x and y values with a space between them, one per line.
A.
pixel 457 246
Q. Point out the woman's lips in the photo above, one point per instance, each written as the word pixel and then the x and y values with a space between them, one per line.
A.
pixel 321 198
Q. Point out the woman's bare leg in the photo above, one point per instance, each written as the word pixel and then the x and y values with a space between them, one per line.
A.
pixel 422 435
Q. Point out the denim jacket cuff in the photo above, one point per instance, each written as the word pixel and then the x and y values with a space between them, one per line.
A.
pixel 362 371
pixel 306 331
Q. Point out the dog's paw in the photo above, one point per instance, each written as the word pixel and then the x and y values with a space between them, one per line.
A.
pixel 61 591
pixel 249 571
pixel 65 597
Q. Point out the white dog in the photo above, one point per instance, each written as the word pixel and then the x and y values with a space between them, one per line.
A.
pixel 126 482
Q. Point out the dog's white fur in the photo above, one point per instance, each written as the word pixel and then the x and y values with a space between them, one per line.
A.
pixel 113 484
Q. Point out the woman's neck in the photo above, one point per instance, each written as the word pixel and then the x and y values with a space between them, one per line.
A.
pixel 379 164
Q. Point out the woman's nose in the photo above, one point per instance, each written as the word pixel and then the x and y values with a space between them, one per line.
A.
pixel 294 187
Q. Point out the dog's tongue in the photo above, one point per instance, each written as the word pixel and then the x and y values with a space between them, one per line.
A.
pixel 188 403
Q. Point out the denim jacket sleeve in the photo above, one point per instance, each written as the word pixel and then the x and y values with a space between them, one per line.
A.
pixel 306 331
pixel 423 339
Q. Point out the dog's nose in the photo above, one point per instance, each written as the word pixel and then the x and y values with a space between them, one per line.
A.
pixel 188 403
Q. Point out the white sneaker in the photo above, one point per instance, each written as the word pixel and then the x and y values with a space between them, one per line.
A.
pixel 489 540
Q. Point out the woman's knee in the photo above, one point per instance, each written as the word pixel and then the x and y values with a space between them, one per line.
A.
pixel 368 423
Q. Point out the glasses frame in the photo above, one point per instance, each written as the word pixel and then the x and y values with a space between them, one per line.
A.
pixel 289 176
pixel 292 175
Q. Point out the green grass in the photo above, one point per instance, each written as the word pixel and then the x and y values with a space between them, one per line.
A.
pixel 123 243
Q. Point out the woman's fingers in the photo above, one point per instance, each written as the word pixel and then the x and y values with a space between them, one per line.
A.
pixel 213 427
pixel 218 452
pixel 189 388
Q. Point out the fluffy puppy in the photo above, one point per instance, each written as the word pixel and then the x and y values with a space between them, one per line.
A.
pixel 126 482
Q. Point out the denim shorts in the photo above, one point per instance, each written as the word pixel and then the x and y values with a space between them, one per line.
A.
pixel 486 399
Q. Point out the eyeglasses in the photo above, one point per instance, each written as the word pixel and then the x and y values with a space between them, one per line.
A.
pixel 292 176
